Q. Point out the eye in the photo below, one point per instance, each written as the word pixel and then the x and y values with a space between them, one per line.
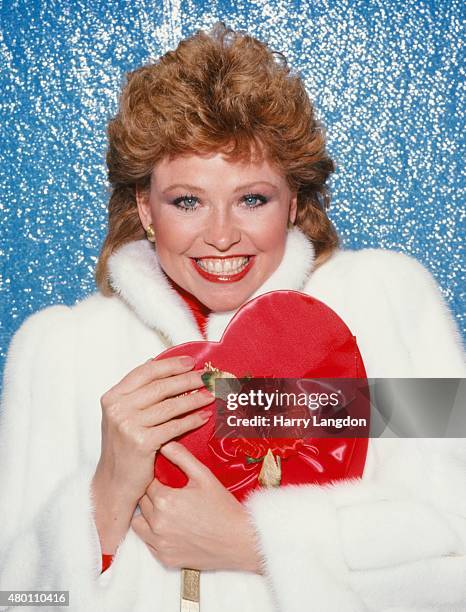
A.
pixel 254 200
pixel 186 202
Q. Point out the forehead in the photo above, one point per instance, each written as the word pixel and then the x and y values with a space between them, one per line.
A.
pixel 214 170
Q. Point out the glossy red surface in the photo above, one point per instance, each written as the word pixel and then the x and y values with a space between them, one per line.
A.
pixel 281 334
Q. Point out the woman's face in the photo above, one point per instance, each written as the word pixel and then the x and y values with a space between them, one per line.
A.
pixel 220 226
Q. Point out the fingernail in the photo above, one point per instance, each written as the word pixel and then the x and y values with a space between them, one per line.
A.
pixel 187 360
pixel 205 414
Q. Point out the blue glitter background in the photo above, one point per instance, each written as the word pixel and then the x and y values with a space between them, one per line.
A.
pixel 384 75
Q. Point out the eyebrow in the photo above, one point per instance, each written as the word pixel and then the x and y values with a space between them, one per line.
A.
pixel 200 190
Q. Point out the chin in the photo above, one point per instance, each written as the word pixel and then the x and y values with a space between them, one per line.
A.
pixel 224 305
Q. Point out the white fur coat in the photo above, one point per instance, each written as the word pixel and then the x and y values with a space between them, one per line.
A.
pixel 394 541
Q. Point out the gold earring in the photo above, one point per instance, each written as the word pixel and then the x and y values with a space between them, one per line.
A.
pixel 150 234
pixel 290 224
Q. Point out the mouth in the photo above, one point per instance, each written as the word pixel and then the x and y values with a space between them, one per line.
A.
pixel 223 269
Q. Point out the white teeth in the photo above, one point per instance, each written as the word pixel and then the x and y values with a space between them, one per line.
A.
pixel 223 266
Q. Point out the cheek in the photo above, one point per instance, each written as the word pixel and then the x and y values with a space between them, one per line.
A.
pixel 269 234
pixel 172 235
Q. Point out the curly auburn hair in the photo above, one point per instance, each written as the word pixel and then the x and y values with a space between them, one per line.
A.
pixel 218 91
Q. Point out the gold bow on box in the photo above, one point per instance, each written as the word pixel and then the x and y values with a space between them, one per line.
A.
pixel 269 476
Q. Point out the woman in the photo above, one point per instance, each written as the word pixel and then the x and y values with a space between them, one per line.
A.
pixel 218 171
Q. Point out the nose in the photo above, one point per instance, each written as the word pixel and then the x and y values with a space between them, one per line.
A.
pixel 221 231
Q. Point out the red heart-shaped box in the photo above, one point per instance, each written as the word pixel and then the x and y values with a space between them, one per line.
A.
pixel 280 334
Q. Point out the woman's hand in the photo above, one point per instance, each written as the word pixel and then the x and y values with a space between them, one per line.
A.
pixel 139 414
pixel 198 526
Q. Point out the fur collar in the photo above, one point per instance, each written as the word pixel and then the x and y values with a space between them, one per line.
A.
pixel 136 275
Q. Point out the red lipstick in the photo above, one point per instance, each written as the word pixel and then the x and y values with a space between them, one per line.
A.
pixel 227 278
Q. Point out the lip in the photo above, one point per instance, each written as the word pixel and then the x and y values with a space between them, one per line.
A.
pixel 233 278
pixel 224 256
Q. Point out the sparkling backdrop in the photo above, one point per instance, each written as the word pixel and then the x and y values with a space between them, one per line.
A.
pixel 384 75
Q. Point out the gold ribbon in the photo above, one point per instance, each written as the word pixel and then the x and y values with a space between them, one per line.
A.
pixel 190 591
pixel 191 578
pixel 271 471
pixel 269 476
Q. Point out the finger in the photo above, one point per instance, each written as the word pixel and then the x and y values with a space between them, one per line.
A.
pixel 152 370
pixel 165 388
pixel 174 407
pixel 153 551
pixel 186 461
pixel 147 507
pixel 161 434
pixel 142 529
pixel 155 489
pixel 137 523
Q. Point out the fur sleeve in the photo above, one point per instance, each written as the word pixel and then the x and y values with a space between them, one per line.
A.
pixel 48 538
pixel 396 538
pixel 429 333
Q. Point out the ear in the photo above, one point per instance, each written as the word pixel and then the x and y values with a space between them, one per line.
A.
pixel 142 202
pixel 293 211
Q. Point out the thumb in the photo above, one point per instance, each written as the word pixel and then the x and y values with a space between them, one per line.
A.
pixel 185 460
